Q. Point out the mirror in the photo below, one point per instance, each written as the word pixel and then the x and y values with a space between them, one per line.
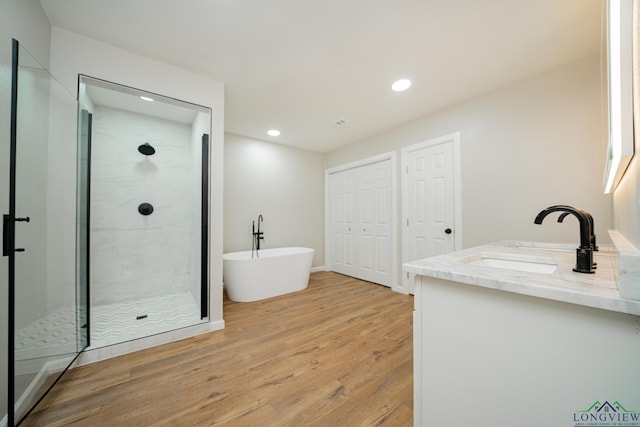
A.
pixel 620 75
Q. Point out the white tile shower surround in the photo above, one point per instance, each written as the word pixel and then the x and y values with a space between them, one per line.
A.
pixel 129 248
pixel 110 324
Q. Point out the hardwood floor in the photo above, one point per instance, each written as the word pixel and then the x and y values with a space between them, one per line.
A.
pixel 336 354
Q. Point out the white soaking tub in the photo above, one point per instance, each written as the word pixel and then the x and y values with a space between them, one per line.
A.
pixel 271 273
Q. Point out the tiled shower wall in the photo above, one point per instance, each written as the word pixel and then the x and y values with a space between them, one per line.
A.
pixel 135 256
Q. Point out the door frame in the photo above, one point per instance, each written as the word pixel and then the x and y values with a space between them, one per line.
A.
pixel 407 284
pixel 391 155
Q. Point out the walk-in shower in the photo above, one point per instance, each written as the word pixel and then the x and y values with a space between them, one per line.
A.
pixel 148 214
pixel 106 234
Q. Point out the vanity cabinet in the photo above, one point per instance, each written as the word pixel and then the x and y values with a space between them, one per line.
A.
pixel 487 357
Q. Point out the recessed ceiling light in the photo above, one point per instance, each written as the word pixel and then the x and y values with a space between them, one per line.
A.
pixel 146 98
pixel 400 85
pixel 273 132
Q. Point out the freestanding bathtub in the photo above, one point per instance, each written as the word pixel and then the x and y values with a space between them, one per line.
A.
pixel 273 272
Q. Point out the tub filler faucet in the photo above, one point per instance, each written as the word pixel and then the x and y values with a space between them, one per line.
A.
pixel 584 253
pixel 257 235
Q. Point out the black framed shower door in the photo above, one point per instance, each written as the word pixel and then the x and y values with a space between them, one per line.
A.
pixel 47 298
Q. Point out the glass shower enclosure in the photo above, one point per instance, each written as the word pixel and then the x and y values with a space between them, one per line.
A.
pixel 148 211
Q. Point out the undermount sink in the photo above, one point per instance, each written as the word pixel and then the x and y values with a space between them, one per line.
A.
pixel 529 264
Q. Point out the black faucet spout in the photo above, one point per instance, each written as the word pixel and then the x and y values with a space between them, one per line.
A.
pixel 584 253
pixel 594 245
pixel 585 225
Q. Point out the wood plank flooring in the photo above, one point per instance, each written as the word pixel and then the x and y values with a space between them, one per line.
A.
pixel 336 354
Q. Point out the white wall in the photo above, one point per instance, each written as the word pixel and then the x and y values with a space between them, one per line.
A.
pixel 31 195
pixel 72 54
pixel 627 201
pixel 25 21
pixel 45 192
pixel 283 184
pixel 136 256
pixel 526 146
pixel 61 167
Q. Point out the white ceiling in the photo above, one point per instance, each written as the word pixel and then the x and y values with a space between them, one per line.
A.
pixel 300 66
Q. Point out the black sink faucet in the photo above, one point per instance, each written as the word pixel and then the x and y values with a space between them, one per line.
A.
pixel 584 253
pixel 593 235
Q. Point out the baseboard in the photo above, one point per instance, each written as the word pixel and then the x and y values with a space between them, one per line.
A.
pixel 317 269
pixel 102 353
pixel 217 325
pixel 400 290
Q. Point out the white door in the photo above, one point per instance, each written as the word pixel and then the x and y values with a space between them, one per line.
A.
pixel 342 199
pixel 429 208
pixel 374 225
pixel 360 206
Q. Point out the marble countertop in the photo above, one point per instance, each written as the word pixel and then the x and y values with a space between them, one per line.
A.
pixel 597 290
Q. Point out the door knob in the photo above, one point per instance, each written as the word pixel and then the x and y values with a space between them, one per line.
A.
pixel 448 231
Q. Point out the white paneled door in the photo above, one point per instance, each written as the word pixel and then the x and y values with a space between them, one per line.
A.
pixel 341 210
pixel 360 223
pixel 429 207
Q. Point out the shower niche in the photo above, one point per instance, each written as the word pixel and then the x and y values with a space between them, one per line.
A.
pixel 147 200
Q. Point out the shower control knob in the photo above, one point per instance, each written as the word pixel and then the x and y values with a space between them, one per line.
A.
pixel 145 209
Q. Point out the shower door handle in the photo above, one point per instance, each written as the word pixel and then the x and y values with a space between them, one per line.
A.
pixel 9 234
